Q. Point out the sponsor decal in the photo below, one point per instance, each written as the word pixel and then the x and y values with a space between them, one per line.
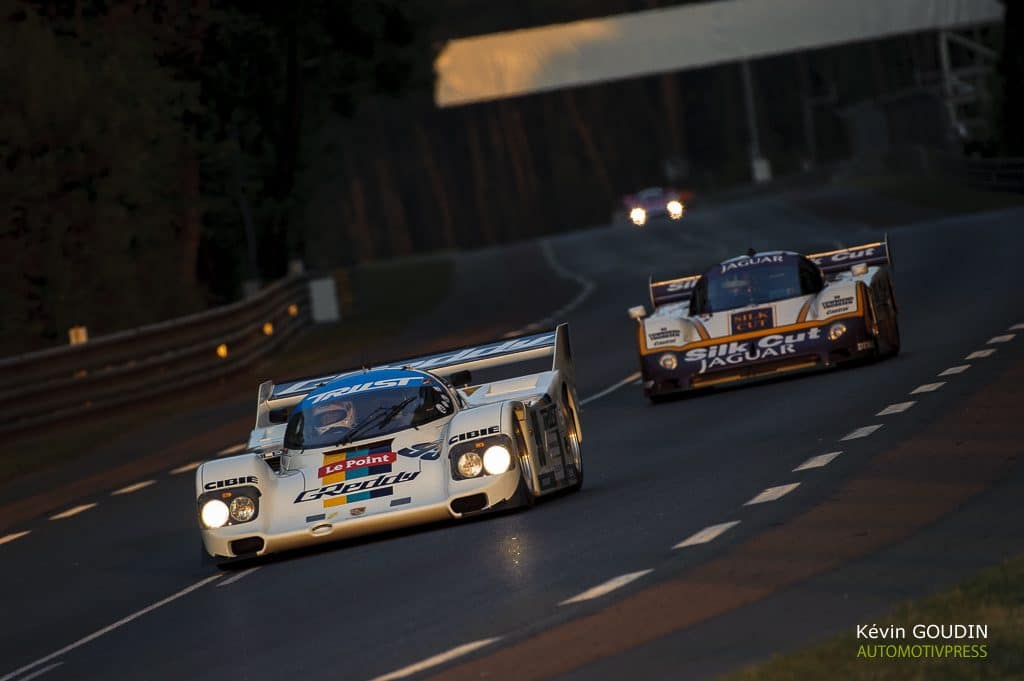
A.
pixel 471 434
pixel 727 354
pixel 370 385
pixel 231 482
pixel 752 320
pixel 664 336
pixel 354 460
pixel 341 493
pixel 502 348
pixel 401 502
pixel 838 303
pixel 681 285
pixel 357 511
pixel 749 262
pixel 844 256
pixel 356 464
pixel 427 451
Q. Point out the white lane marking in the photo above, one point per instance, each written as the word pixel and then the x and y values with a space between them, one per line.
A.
pixel 186 468
pixel 11 537
pixel 133 488
pixel 606 587
pixel 1017 327
pixel 612 388
pixel 441 658
pixel 817 461
pixel 235 578
pixel 233 449
pixel 40 672
pixel 707 534
pixel 927 388
pixel 952 371
pixel 587 286
pixel 772 494
pixel 110 627
pixel 72 511
pixel 1006 338
pixel 863 431
pixel 897 408
pixel 980 354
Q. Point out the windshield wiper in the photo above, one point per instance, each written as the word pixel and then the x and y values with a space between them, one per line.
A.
pixel 388 414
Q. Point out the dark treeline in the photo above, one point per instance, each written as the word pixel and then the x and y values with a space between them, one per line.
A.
pixel 157 153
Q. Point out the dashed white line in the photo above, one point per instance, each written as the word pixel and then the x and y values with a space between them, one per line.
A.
pixel 109 628
pixel 186 468
pixel 441 658
pixel 234 578
pixel 606 587
pixel 953 371
pixel 40 672
pixel 612 388
pixel 772 494
pixel 11 537
pixel 707 534
pixel 233 449
pixel 981 354
pixel 817 461
pixel 72 511
pixel 897 408
pixel 863 431
pixel 1017 327
pixel 1005 338
pixel 927 388
pixel 133 488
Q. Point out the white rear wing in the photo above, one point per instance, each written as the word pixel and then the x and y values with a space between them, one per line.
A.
pixel 499 353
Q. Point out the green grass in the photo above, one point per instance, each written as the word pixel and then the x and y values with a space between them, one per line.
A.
pixel 994 597
pixel 378 300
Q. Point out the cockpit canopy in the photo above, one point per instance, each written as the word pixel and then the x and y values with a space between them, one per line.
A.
pixel 367 405
pixel 753 280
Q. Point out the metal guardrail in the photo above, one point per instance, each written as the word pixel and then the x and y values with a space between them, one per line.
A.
pixel 121 368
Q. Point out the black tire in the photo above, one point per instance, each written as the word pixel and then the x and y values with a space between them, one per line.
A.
pixel 571 438
pixel 894 336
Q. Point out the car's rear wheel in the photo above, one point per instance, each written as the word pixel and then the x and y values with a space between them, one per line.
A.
pixel 573 444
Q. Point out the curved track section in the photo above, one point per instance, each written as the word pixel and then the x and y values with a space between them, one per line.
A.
pixel 705 523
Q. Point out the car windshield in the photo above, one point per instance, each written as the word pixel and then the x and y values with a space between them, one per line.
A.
pixel 752 286
pixel 337 417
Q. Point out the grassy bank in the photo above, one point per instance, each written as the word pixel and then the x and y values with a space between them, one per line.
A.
pixel 994 597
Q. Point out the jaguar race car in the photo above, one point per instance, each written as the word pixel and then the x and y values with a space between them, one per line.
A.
pixel 410 442
pixel 764 314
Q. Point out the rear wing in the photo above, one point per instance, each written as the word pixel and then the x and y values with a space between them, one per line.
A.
pixel 510 351
pixel 832 262
pixel 672 290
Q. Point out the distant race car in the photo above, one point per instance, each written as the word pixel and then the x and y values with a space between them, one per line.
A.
pixel 765 314
pixel 365 451
pixel 656 202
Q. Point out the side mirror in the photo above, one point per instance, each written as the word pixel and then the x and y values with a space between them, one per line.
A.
pixel 637 312
pixel 460 379
pixel 278 415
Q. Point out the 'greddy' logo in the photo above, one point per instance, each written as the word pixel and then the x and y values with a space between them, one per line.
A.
pixel 362 485
pixel 725 354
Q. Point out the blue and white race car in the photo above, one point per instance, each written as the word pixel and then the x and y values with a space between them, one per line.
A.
pixel 371 450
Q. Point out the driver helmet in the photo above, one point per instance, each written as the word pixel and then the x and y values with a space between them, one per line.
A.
pixel 330 415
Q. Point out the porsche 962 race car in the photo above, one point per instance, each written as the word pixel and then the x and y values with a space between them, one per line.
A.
pixel 764 314
pixel 371 450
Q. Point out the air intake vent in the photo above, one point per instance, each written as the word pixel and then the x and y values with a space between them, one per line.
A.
pixel 247 546
pixel 473 502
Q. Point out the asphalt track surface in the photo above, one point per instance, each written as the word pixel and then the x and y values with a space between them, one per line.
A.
pixel 117 590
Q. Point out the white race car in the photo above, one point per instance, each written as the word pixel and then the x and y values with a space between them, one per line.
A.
pixel 371 450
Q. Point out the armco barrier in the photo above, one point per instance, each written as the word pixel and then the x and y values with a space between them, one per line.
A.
pixel 39 387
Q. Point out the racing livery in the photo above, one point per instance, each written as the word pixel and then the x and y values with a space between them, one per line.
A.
pixel 365 451
pixel 764 314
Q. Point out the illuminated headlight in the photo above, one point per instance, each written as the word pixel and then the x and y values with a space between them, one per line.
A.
pixel 675 209
pixel 214 513
pixel 497 460
pixel 668 361
pixel 242 509
pixel 638 216
pixel 836 331
pixel 470 465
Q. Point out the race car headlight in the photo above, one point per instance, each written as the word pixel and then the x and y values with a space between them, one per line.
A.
pixel 836 331
pixel 470 464
pixel 242 509
pixel 214 513
pixel 675 209
pixel 638 216
pixel 668 361
pixel 497 459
